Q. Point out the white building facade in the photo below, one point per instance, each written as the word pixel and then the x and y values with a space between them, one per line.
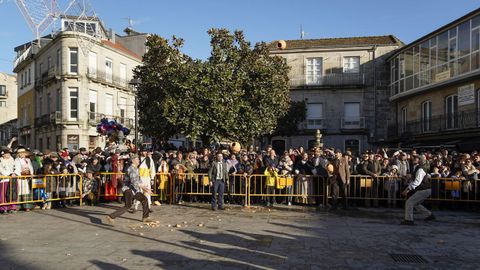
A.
pixel 69 83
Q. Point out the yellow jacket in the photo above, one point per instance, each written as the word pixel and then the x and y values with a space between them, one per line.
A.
pixel 271 177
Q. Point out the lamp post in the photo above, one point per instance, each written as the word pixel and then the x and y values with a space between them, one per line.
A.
pixel 134 83
pixel 318 138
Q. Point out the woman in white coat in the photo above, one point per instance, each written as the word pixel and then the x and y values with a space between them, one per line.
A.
pixel 24 169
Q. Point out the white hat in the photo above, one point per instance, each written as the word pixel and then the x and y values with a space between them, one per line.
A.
pixel 394 167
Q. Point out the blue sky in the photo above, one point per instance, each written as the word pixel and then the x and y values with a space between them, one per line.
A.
pixel 265 20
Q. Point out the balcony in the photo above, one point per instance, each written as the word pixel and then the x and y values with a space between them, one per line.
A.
pixel 46 77
pixel 100 76
pixel 329 80
pixel 95 118
pixel 53 118
pixel 352 123
pixel 315 124
pixel 438 124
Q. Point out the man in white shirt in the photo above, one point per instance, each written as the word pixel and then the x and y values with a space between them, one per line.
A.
pixel 421 188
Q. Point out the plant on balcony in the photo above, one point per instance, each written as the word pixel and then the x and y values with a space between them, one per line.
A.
pixel 237 94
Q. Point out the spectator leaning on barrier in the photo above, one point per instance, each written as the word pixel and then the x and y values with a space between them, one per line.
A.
pixel 418 190
pixel 24 168
pixel 8 182
pixel 271 177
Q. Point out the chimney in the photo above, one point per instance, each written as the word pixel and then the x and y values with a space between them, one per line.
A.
pixel 111 34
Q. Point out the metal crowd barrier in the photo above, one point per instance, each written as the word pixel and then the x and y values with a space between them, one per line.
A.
pixel 303 189
pixel 26 191
pixel 196 186
pixel 372 190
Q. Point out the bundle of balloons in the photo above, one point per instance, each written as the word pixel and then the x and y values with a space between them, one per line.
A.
pixel 112 129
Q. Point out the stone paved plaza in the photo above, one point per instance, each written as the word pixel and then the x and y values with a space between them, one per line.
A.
pixel 194 237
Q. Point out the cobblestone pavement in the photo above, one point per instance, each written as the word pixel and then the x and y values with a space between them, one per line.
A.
pixel 194 237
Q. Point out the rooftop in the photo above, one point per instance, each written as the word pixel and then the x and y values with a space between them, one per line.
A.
pixel 337 42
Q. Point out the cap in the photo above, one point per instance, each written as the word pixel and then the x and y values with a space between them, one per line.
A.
pixel 82 149
pixel 394 167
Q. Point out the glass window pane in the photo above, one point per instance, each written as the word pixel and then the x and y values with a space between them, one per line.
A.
pixel 464 38
pixel 409 62
pixel 464 65
pixel 476 21
pixel 442 48
pixel 476 39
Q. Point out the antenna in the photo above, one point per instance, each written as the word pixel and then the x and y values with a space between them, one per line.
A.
pixel 302 33
pixel 131 22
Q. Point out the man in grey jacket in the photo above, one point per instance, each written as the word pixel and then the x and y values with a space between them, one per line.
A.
pixel 132 190
pixel 218 174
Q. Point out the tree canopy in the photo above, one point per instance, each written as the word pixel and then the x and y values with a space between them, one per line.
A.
pixel 239 93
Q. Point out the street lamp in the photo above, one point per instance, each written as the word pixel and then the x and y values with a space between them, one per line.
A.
pixel 135 82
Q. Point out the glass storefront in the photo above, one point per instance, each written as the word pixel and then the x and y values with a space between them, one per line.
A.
pixel 451 53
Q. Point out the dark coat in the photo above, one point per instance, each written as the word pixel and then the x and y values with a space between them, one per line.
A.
pixel 212 173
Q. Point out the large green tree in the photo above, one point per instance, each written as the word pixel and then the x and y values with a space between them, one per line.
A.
pixel 238 93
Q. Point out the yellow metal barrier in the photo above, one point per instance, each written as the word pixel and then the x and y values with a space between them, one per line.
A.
pixel 305 189
pixel 30 190
pixel 197 187
pixel 383 188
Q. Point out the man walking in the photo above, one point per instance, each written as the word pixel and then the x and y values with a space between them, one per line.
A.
pixel 420 186
pixel 132 190
pixel 218 174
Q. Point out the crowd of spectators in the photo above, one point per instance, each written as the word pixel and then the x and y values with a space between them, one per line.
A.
pixel 292 163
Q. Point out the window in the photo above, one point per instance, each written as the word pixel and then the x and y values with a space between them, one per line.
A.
pixel 108 70
pixel 58 101
pixel 48 143
pixel 314 115
pixel 3 90
pixel 73 103
pixel 49 63
pixel 351 115
pixel 353 146
pixel 40 105
pixel 475 47
pixel 73 60
pixel 109 104
pixel 352 110
pixel 403 120
pixel 351 64
pixel 92 64
pixel 451 111
pixel 40 143
pixel 49 102
pixel 478 107
pixel 29 76
pixel 123 74
pixel 122 105
pixel 3 103
pixel 426 116
pixel 92 96
pixel 59 59
pixel 22 79
pixel 314 70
